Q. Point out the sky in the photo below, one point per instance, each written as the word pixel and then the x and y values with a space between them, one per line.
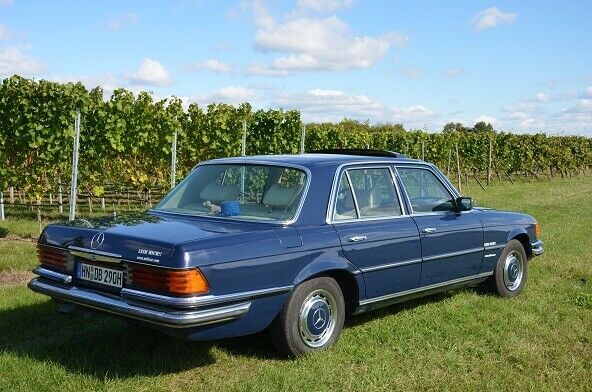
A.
pixel 523 66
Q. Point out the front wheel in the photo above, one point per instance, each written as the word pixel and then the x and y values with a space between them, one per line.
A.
pixel 311 320
pixel 509 276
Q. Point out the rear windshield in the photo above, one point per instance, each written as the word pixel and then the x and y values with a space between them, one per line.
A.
pixel 238 191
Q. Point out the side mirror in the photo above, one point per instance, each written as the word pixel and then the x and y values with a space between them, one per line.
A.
pixel 464 204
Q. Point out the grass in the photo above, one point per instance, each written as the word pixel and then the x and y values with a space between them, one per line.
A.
pixel 462 340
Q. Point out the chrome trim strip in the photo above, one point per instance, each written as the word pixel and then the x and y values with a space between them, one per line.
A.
pixel 239 161
pixel 52 275
pixel 537 248
pixel 198 301
pixel 495 247
pixel 453 254
pixel 424 288
pixel 95 255
pixel 173 319
pixel 390 265
pixel 489 255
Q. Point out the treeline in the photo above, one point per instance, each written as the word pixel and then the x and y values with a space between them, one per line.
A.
pixel 127 138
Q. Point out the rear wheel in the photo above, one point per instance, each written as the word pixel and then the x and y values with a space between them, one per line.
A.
pixel 311 320
pixel 511 271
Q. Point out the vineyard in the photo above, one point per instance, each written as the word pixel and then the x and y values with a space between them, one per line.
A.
pixel 126 140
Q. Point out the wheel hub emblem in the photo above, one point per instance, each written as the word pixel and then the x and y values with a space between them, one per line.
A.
pixel 97 240
pixel 319 318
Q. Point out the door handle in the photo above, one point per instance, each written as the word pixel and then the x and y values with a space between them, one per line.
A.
pixel 357 238
pixel 429 230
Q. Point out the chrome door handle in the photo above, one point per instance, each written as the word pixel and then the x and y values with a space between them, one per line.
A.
pixel 428 230
pixel 357 238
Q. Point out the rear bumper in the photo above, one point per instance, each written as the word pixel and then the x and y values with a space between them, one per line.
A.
pixel 537 248
pixel 57 286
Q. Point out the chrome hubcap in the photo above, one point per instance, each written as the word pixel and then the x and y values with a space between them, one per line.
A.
pixel 318 316
pixel 513 270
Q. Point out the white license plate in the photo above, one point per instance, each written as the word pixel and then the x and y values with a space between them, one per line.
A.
pixel 101 275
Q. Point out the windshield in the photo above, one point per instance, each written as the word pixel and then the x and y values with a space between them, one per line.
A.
pixel 238 191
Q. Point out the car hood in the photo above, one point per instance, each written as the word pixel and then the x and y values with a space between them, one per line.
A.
pixel 148 237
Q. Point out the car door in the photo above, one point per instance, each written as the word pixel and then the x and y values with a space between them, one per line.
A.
pixel 375 234
pixel 451 242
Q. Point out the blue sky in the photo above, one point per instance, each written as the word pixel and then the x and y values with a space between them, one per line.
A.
pixel 524 66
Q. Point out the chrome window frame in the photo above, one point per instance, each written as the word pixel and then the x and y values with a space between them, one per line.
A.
pixel 343 169
pixel 440 177
pixel 239 161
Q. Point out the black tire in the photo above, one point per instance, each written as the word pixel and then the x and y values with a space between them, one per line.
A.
pixel 317 302
pixel 508 281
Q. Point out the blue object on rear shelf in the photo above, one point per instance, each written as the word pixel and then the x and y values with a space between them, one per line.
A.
pixel 230 208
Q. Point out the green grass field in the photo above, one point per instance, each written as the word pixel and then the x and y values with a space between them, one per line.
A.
pixel 463 340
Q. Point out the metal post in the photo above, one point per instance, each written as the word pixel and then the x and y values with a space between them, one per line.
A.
pixel 60 199
pixel 489 162
pixel 74 183
pixel 458 169
pixel 2 206
pixel 243 153
pixel 302 138
pixel 174 160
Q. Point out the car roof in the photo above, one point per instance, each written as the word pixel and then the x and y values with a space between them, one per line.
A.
pixel 312 160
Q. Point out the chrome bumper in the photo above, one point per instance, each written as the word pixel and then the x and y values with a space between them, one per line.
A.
pixel 537 248
pixel 167 317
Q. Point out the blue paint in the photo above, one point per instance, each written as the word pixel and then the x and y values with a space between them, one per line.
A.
pixel 239 256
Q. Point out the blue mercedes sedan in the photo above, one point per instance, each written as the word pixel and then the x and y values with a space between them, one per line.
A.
pixel 289 243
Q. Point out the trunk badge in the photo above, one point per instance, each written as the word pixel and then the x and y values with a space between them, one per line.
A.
pixel 97 240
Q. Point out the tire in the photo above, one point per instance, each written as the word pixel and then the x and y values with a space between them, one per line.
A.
pixel 511 271
pixel 311 320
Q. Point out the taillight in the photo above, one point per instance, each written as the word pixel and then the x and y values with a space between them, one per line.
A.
pixel 177 282
pixel 55 258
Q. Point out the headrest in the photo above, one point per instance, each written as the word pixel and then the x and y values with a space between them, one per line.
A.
pixel 280 196
pixel 217 193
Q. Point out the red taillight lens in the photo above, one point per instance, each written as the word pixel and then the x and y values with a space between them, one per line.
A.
pixel 178 282
pixel 52 257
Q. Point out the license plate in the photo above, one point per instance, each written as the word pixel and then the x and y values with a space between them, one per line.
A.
pixel 101 275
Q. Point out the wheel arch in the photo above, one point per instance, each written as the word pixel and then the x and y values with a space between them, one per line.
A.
pixel 347 276
pixel 522 236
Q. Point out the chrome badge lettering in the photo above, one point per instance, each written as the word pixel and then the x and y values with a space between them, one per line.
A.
pixel 148 253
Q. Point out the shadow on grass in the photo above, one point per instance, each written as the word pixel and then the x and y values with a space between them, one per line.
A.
pixel 107 347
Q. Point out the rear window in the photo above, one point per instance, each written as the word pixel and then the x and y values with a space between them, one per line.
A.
pixel 238 191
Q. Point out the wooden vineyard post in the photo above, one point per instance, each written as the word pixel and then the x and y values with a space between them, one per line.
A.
pixel 458 176
pixel 489 162
pixel 11 194
pixel 103 203
pixel 448 169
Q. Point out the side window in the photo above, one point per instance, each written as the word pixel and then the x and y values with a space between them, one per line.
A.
pixel 374 193
pixel 426 192
pixel 344 203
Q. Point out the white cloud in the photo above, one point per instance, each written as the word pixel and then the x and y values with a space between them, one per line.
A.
pixel 411 72
pixel 150 72
pixel 486 119
pixel 312 43
pixel 587 93
pixel 454 72
pixel 334 105
pixel 4 32
pixel 13 61
pixel 541 97
pixel 124 20
pixel 211 65
pixel 230 94
pixel 5 2
pixel 107 82
pixel 323 5
pixel 492 17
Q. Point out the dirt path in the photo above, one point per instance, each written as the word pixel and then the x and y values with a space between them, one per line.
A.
pixel 9 278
